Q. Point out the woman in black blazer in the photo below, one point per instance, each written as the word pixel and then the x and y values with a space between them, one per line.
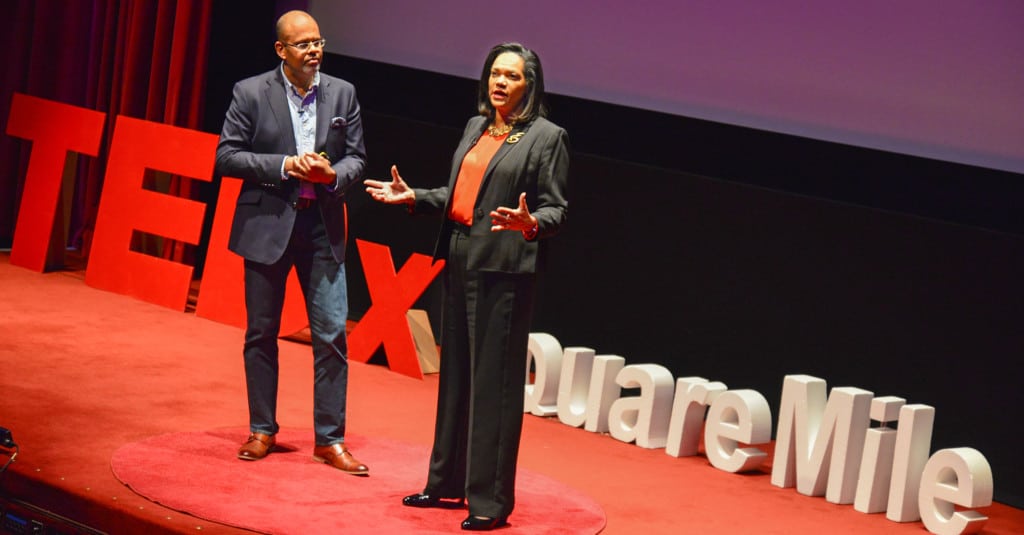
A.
pixel 508 189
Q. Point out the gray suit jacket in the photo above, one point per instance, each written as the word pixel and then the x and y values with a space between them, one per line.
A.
pixel 256 137
pixel 534 159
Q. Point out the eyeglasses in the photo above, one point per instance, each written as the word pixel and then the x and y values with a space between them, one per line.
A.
pixel 304 46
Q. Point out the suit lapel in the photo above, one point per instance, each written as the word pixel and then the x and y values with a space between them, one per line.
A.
pixel 278 103
pixel 506 147
pixel 323 117
pixel 467 143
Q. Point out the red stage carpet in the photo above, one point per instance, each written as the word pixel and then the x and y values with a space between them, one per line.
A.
pixel 287 493
pixel 86 373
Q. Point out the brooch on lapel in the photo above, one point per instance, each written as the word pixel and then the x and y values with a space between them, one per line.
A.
pixel 514 138
pixel 338 122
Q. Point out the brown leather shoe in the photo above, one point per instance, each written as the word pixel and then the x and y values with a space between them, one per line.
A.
pixel 339 457
pixel 257 447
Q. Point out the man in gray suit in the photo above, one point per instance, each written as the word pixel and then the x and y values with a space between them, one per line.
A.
pixel 295 137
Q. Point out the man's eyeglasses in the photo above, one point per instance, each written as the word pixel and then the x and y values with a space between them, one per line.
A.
pixel 304 46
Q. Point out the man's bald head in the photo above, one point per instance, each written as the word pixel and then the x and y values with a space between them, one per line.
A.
pixel 290 19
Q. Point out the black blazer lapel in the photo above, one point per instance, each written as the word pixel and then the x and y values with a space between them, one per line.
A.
pixel 468 141
pixel 506 147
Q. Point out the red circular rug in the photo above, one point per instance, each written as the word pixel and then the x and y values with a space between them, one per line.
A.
pixel 287 492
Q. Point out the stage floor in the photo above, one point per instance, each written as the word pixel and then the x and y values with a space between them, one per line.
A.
pixel 85 372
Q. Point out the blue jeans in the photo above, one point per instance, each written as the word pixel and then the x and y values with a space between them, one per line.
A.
pixel 322 280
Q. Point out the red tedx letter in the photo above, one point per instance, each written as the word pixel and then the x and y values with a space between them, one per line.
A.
pixel 54 129
pixel 125 206
pixel 385 322
pixel 222 295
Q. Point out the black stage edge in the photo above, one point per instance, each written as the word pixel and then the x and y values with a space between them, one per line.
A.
pixel 20 517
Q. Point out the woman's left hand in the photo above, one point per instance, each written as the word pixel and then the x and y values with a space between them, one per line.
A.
pixel 518 218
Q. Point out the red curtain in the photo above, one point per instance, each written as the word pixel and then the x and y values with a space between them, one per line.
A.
pixel 141 58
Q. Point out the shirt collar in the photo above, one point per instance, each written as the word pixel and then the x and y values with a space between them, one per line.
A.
pixel 294 92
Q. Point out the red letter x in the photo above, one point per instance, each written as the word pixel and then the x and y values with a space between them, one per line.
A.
pixel 385 322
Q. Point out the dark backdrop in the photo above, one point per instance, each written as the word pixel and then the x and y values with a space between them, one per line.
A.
pixel 734 254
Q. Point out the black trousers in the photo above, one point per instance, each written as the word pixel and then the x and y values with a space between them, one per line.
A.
pixel 484 337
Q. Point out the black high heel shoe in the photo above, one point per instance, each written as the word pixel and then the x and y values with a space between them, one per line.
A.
pixel 428 500
pixel 477 523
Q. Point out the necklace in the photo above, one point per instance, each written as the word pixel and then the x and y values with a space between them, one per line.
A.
pixel 498 131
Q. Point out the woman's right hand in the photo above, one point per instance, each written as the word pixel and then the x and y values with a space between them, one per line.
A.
pixel 394 192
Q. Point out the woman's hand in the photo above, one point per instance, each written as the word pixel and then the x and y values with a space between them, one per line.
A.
pixel 517 218
pixel 394 192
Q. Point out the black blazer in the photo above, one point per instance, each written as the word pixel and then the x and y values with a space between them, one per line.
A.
pixel 256 137
pixel 534 159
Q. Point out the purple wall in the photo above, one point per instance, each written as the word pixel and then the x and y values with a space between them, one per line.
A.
pixel 939 80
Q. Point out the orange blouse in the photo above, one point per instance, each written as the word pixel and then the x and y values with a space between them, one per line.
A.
pixel 471 174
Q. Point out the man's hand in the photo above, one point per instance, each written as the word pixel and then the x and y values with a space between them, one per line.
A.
pixel 316 168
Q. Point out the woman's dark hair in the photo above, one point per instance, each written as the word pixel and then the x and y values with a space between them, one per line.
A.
pixel 533 102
